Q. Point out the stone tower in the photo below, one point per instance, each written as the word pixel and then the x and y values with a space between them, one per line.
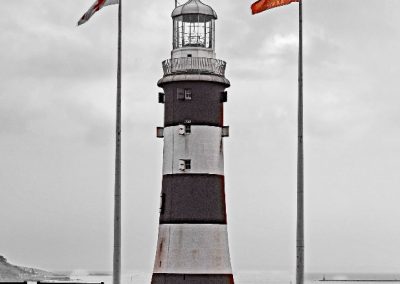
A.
pixel 193 240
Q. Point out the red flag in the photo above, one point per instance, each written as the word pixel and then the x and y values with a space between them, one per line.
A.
pixel 262 5
pixel 95 7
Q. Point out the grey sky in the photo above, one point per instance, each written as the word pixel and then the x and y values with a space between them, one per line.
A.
pixel 57 101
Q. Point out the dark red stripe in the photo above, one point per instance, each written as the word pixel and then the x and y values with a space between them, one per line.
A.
pixel 167 278
pixel 205 107
pixel 193 199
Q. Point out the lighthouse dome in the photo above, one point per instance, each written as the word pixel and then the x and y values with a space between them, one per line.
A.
pixel 194 7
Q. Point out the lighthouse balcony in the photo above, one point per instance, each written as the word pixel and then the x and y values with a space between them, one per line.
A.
pixel 197 65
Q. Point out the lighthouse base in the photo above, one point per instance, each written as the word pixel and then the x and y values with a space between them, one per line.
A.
pixel 159 278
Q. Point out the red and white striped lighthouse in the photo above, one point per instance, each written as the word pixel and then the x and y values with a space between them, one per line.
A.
pixel 192 242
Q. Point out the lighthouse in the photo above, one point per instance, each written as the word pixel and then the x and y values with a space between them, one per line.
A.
pixel 192 244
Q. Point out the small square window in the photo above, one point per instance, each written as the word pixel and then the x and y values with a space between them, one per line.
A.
pixel 188 129
pixel 184 94
pixel 184 165
pixel 188 94
pixel 188 164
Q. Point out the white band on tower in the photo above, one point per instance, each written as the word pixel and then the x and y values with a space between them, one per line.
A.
pixel 202 146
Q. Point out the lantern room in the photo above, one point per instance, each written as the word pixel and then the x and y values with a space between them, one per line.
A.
pixel 193 30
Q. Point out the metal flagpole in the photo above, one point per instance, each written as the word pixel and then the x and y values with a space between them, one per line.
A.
pixel 300 163
pixel 117 195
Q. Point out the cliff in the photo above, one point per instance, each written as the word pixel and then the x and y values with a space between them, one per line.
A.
pixel 10 272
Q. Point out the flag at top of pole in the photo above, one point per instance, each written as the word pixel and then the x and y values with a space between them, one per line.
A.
pixel 94 8
pixel 258 7
pixel 117 188
pixel 263 5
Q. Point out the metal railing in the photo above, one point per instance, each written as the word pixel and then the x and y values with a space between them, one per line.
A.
pixel 197 65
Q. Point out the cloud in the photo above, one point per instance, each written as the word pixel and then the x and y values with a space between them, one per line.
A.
pixel 57 112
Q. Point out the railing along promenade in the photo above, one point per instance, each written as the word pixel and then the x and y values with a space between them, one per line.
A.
pixel 198 65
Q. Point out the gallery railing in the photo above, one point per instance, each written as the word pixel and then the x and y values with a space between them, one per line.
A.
pixel 198 65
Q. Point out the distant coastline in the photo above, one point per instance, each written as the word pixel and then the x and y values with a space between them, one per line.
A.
pixel 11 272
pixel 100 273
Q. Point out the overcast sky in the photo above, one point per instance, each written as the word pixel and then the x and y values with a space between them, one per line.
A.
pixel 57 104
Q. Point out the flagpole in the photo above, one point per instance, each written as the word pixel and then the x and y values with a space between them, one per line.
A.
pixel 300 162
pixel 117 194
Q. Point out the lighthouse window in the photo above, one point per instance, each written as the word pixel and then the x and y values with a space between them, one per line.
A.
pixel 187 164
pixel 184 94
pixel 193 30
pixel 184 165
pixel 188 94
pixel 188 129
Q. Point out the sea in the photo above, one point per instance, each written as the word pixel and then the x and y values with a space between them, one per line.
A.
pixel 259 277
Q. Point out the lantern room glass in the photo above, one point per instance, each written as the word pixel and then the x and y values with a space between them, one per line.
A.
pixel 193 30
